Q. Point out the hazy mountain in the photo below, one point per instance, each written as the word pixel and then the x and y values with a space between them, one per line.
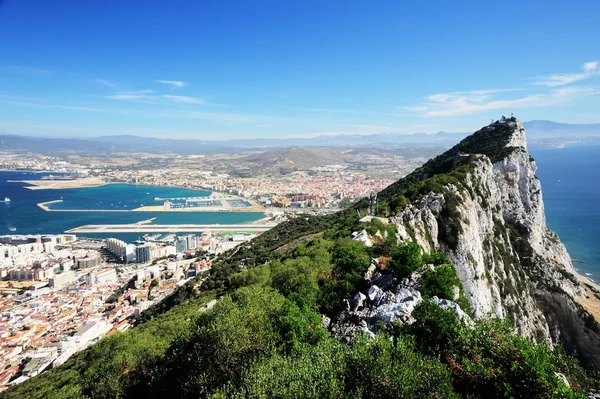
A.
pixel 300 158
pixel 540 134
pixel 540 129
pixel 44 145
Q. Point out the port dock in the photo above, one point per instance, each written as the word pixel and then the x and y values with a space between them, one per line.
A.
pixel 168 228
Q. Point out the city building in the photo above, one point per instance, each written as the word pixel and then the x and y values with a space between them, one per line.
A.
pixel 128 253
pixel 105 276
pixel 192 241
pixel 87 263
pixel 61 280
pixel 142 254
pixel 181 244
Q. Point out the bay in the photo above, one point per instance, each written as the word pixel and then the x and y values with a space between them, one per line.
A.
pixel 26 217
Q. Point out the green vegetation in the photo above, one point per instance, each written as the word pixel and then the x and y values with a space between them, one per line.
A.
pixel 264 338
pixel 447 168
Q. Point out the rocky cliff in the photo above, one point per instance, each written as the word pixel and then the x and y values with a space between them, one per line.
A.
pixel 481 204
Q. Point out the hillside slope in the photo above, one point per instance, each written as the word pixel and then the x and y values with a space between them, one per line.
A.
pixel 401 309
pixel 290 159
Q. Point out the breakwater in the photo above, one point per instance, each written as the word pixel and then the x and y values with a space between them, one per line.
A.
pixel 44 206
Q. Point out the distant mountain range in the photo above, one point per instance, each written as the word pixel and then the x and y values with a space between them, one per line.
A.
pixel 540 134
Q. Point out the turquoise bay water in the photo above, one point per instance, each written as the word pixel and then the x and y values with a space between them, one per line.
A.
pixel 117 196
pixel 570 179
pixel 23 214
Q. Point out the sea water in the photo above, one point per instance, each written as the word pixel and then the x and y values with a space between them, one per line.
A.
pixel 24 216
pixel 570 180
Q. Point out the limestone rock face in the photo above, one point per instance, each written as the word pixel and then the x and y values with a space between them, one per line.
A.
pixel 493 227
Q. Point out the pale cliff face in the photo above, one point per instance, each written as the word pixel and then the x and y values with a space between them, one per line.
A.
pixel 508 261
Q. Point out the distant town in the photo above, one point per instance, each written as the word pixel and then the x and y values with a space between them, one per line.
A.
pixel 316 179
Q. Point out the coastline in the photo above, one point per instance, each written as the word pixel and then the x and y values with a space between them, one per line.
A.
pixel 32 171
pixel 592 290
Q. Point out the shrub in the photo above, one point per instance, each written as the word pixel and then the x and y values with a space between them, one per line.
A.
pixel 407 258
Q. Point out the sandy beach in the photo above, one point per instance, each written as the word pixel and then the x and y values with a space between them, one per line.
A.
pixel 592 290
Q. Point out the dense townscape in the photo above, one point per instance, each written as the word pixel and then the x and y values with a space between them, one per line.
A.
pixel 61 294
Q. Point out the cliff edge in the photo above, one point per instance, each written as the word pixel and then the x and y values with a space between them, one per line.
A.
pixel 481 204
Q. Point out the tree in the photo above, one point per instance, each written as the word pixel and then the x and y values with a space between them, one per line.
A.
pixel 436 330
pixel 350 256
pixel 407 258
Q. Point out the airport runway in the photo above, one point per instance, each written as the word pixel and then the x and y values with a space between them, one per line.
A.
pixel 168 228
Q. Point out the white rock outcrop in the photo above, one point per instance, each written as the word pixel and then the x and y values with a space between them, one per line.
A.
pixel 509 262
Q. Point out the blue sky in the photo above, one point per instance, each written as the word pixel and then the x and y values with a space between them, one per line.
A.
pixel 227 69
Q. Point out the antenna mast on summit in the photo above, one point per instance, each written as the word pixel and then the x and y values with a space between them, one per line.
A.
pixel 372 203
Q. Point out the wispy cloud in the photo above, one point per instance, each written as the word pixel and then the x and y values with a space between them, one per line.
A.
pixel 105 83
pixel 175 84
pixel 470 102
pixel 145 96
pixel 184 99
pixel 588 70
pixel 130 97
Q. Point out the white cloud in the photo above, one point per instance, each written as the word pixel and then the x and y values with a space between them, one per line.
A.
pixel 146 91
pixel 145 96
pixel 470 102
pixel 130 96
pixel 590 69
pixel 183 99
pixel 106 83
pixel 175 84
